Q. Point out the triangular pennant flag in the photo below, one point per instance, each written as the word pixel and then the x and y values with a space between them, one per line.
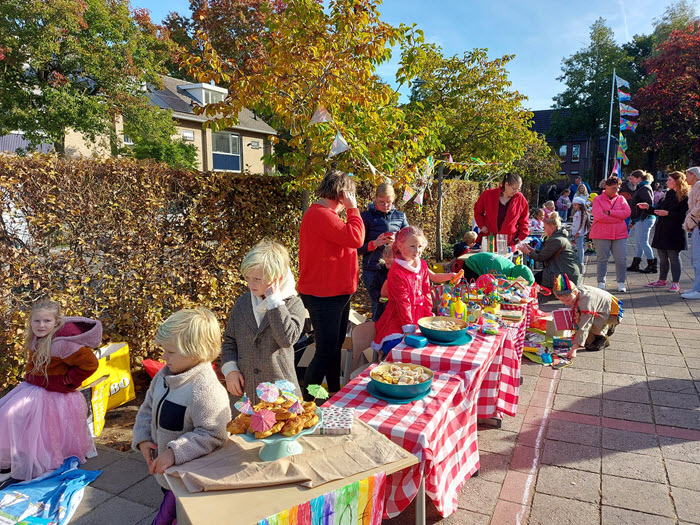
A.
pixel 621 155
pixel 627 124
pixel 419 198
pixel 617 170
pixel 372 169
pixel 407 194
pixel 628 110
pixel 339 146
pixel 623 96
pixel 450 159
pixel 621 82
pixel 321 115
pixel 623 142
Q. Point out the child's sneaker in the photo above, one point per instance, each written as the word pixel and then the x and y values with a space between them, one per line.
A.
pixel 656 284
pixel 675 287
pixel 601 285
pixel 621 287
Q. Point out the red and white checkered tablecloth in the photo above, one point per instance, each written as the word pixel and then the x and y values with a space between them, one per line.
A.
pixel 500 390
pixel 439 429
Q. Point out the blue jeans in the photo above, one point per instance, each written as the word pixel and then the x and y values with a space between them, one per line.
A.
pixel 564 214
pixel 695 256
pixel 641 235
pixel 368 279
pixel 581 247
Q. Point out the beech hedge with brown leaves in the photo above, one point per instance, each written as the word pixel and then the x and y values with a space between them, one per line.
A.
pixel 129 242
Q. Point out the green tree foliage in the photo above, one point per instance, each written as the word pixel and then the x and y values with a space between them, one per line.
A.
pixel 677 16
pixel 70 65
pixel 484 117
pixel 302 57
pixel 177 154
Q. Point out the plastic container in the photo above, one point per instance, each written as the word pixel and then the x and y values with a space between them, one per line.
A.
pixel 442 336
pixel 416 341
pixel 400 391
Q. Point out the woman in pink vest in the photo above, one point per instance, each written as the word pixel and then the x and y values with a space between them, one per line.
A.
pixel 609 232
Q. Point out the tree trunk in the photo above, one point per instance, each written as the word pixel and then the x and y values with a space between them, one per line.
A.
pixel 438 218
pixel 59 146
pixel 305 200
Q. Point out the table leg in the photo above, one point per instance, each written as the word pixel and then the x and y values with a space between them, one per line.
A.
pixel 420 503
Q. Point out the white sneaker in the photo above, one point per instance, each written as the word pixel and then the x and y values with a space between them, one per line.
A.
pixel 688 290
pixel 621 287
pixel 691 295
pixel 601 285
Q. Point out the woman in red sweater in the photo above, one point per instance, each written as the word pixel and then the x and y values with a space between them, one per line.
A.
pixel 328 272
pixel 503 210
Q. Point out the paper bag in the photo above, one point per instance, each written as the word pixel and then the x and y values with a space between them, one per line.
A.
pixel 114 362
pixel 97 396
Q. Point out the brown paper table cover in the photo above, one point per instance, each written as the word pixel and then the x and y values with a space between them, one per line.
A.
pixel 325 458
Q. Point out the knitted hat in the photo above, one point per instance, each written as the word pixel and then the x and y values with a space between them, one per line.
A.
pixel 579 200
pixel 695 171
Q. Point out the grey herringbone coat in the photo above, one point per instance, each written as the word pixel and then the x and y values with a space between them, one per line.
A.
pixel 263 353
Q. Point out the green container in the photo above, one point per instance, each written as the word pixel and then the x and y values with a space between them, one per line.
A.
pixel 442 336
pixel 400 391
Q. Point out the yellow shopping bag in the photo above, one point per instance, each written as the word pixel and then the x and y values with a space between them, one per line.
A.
pixel 114 362
pixel 97 396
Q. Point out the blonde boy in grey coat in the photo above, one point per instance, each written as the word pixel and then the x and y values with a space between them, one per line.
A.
pixel 264 324
pixel 186 409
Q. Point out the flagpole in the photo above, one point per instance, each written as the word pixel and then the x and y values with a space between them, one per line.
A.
pixel 607 150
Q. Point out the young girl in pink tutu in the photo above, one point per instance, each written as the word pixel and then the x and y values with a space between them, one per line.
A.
pixel 43 421
pixel 408 289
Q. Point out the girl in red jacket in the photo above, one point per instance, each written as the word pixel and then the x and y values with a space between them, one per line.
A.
pixel 408 289
pixel 43 421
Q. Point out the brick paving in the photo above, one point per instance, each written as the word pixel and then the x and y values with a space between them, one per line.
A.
pixel 612 439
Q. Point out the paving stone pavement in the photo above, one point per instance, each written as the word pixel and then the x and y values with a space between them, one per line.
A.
pixel 612 439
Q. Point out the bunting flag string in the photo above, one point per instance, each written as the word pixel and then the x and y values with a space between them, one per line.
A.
pixel 419 198
pixel 617 170
pixel 320 115
pixel 622 96
pixel 339 146
pixel 623 142
pixel 628 110
pixel 621 155
pixel 407 194
pixel 621 82
pixel 627 124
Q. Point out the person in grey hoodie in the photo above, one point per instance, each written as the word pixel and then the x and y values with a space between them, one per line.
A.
pixel 186 409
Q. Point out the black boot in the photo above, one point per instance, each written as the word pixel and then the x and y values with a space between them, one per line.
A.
pixel 634 267
pixel 652 266
pixel 597 344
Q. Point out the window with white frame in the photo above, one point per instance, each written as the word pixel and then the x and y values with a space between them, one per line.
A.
pixel 212 97
pixel 188 135
pixel 575 153
pixel 562 151
pixel 227 143
pixel 127 140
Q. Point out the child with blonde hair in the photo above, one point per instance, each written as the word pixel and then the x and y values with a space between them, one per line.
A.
pixel 43 421
pixel 548 207
pixel 264 324
pixel 186 409
pixel 408 290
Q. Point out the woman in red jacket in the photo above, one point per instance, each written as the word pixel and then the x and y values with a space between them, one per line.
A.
pixel 503 210
pixel 328 272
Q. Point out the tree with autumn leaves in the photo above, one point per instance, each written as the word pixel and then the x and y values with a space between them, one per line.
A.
pixel 669 106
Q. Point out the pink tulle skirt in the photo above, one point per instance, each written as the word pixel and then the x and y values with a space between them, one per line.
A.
pixel 40 429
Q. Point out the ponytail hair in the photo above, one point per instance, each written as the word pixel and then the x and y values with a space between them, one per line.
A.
pixel 510 178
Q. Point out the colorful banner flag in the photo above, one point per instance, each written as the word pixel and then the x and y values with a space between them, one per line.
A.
pixel 623 96
pixel 622 141
pixel 628 110
pixel 621 155
pixel 321 115
pixel 627 124
pixel 339 146
pixel 621 82
pixel 617 169
pixel 407 194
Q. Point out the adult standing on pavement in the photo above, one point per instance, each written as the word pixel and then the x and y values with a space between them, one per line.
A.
pixel 609 232
pixel 503 210
pixel 642 219
pixel 669 236
pixel 381 222
pixel 692 226
pixel 574 187
pixel 328 271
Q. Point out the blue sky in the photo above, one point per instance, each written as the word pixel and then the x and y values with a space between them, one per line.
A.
pixel 540 33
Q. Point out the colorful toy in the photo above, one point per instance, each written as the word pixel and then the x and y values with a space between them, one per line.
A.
pixel 458 309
